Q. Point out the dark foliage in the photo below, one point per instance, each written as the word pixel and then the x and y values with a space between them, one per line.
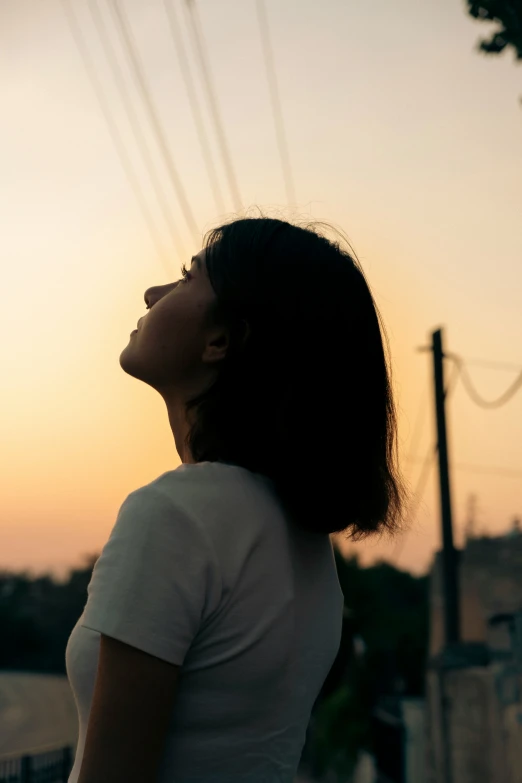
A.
pixel 388 610
pixel 508 16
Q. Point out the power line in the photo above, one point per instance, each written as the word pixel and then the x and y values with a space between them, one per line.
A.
pixel 422 480
pixel 484 469
pixel 276 104
pixel 199 45
pixel 419 421
pixel 490 469
pixel 133 119
pixel 196 113
pixel 137 68
pixel 473 394
pixel 460 369
pixel 493 365
pixel 419 491
pixel 113 130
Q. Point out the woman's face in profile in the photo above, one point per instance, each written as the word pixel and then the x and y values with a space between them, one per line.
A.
pixel 174 346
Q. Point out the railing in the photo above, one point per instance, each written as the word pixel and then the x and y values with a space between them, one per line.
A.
pixel 40 765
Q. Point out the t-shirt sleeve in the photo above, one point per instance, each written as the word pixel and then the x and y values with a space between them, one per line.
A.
pixel 156 580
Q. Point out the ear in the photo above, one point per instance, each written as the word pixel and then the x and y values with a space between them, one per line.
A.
pixel 219 343
pixel 216 346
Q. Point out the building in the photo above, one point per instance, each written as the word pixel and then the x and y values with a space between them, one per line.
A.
pixel 490 576
pixel 474 689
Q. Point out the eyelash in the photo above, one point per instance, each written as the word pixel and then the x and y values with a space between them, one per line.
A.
pixel 186 276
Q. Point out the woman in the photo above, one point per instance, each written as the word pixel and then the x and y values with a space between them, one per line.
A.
pixel 214 612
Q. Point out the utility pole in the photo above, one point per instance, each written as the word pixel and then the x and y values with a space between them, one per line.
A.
pixel 449 554
pixel 450 581
pixel 470 524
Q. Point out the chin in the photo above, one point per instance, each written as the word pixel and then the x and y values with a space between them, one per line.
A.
pixel 128 362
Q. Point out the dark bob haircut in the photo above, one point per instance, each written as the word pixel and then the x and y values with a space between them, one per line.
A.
pixel 304 394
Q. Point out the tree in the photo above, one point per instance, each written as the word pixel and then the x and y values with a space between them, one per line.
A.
pixel 37 616
pixel 508 15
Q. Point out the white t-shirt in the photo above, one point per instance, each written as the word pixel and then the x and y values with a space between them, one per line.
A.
pixel 203 569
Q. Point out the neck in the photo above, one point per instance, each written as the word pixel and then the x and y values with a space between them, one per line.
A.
pixel 180 428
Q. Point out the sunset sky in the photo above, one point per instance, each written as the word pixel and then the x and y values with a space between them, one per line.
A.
pixel 399 132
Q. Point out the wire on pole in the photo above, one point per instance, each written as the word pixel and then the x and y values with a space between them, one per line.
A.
pixel 493 365
pixel 473 394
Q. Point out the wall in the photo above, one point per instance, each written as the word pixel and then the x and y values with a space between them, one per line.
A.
pixel 490 577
